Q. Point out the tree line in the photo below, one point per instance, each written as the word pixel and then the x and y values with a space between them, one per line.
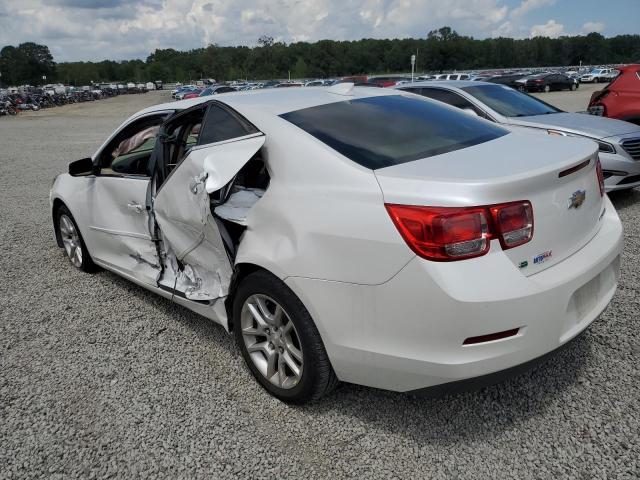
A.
pixel 442 50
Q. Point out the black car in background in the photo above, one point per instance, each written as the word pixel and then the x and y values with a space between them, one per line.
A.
pixel 550 81
pixel 508 80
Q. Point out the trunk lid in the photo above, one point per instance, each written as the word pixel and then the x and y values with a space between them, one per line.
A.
pixel 510 168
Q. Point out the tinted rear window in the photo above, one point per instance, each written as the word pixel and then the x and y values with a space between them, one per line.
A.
pixel 382 131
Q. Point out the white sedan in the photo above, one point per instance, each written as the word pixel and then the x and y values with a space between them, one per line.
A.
pixel 356 234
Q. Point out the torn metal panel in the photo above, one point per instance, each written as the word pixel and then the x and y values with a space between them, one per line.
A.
pixel 199 275
pixel 182 210
pixel 236 208
pixel 222 161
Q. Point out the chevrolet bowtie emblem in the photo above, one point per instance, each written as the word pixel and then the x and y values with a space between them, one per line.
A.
pixel 577 199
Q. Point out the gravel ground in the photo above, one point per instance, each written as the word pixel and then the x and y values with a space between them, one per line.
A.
pixel 99 378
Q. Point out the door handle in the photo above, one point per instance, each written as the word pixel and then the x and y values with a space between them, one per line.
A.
pixel 136 207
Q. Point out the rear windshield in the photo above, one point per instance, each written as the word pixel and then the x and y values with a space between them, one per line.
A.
pixel 382 131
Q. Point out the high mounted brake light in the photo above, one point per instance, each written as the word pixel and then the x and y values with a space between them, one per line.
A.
pixel 446 234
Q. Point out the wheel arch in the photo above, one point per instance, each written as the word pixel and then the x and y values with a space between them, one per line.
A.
pixel 57 203
pixel 240 272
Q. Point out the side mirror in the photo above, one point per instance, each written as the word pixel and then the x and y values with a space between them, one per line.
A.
pixel 470 111
pixel 81 167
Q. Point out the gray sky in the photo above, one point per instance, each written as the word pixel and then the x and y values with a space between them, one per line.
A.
pixel 121 29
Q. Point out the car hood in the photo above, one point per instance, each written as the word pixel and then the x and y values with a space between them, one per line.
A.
pixel 578 123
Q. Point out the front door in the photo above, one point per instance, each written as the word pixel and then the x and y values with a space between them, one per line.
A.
pixel 119 229
pixel 118 235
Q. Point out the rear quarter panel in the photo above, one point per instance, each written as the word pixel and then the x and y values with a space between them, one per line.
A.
pixel 322 216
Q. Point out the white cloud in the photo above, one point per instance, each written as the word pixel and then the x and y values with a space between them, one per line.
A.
pixel 528 5
pixel 118 29
pixel 122 29
pixel 592 27
pixel 550 29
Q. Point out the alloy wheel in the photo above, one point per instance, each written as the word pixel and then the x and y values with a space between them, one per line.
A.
pixel 272 341
pixel 71 240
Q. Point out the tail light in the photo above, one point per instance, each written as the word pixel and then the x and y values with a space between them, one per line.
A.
pixel 600 177
pixel 456 233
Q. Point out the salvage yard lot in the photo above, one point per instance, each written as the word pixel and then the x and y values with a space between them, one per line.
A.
pixel 99 377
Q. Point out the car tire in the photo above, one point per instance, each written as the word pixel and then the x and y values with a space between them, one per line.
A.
pixel 68 233
pixel 546 89
pixel 573 87
pixel 256 303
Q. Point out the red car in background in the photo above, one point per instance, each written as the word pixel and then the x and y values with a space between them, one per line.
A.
pixel 193 94
pixel 621 98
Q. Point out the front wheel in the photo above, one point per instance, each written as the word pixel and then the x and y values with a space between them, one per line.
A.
pixel 72 241
pixel 573 87
pixel 279 341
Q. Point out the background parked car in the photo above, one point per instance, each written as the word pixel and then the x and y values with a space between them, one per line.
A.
pixel 618 142
pixel 516 80
pixel 289 84
pixel 621 98
pixel 598 75
pixel 550 81
pixel 216 89
pixel 453 76
pixel 181 92
pixel 192 94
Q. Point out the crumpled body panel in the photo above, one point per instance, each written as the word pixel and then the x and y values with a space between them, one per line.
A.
pixel 183 213
pixel 236 208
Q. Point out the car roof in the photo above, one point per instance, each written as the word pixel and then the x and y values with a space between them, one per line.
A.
pixel 275 101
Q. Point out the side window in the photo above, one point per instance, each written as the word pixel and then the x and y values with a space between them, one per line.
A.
pixel 221 124
pixel 412 90
pixel 129 152
pixel 451 98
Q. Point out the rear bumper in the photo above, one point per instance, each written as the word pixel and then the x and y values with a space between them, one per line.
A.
pixel 408 333
pixel 489 379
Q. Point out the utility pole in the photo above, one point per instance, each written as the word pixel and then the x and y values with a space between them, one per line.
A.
pixel 413 66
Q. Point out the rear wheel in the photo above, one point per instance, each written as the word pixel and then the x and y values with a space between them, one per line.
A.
pixel 547 89
pixel 279 341
pixel 72 241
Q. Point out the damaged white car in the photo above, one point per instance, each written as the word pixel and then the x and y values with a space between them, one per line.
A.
pixel 364 235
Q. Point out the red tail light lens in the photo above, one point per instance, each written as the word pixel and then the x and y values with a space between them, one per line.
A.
pixel 600 177
pixel 514 223
pixel 457 233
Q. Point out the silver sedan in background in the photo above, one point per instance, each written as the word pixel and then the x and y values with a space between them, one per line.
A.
pixel 618 141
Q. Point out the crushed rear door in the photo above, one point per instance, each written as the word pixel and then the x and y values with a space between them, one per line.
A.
pixel 197 264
